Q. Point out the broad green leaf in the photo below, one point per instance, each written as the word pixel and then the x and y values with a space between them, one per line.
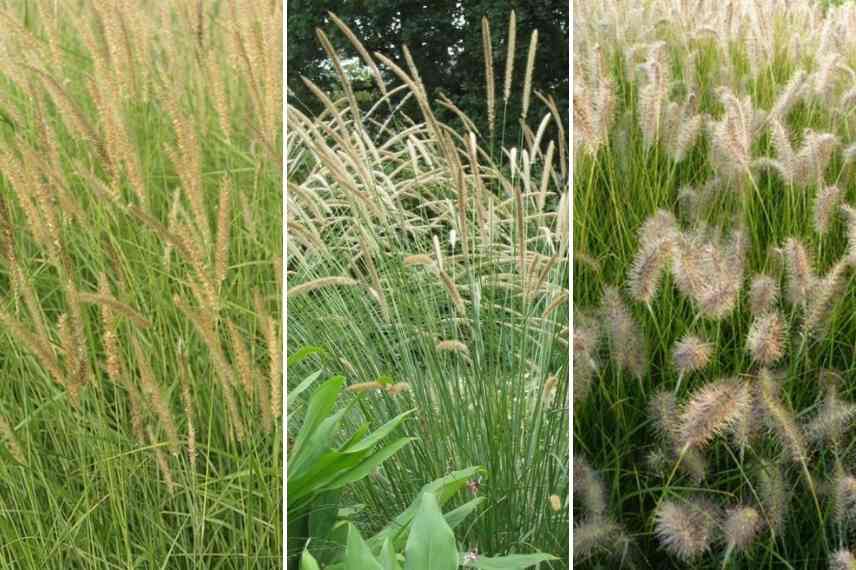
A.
pixel 367 466
pixel 303 354
pixel 457 516
pixel 300 388
pixel 323 514
pixel 443 488
pixel 358 434
pixel 389 557
pixel 510 562
pixel 378 434
pixel 308 562
pixel 358 556
pixel 318 443
pixel 320 406
pixel 431 544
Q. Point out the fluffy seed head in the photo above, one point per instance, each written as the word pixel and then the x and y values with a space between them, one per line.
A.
pixel 780 418
pixel 741 527
pixel 845 498
pixel 714 408
pixel 589 488
pixel 774 495
pixel 686 530
pixel 842 560
pixel 825 205
pixel 800 272
pixel 594 536
pixel 763 294
pixel 691 353
pixel 766 338
pixel 648 268
pixel 627 345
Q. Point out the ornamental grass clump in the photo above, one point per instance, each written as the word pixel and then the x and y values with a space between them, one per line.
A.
pixel 729 257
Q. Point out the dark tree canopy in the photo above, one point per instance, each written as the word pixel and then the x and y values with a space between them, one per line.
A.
pixel 444 37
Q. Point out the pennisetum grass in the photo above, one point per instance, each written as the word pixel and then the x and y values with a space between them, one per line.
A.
pixel 444 269
pixel 129 134
pixel 713 184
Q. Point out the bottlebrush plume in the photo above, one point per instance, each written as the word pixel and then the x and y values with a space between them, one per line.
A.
pixel 732 136
pixel 628 347
pixel 691 354
pixel 800 272
pixel 741 527
pixel 780 418
pixel 826 293
pixel 842 560
pixel 833 418
pixel 653 94
pixel 825 205
pixel 589 488
pixel 713 409
pixel 664 411
pixel 850 215
pixel 775 497
pixel 659 225
pixel 763 294
pixel 648 268
pixel 766 338
pixel 686 530
pixel 598 535
pixel 845 498
pixel 791 94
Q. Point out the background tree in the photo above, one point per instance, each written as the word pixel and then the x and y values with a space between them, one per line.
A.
pixel 444 37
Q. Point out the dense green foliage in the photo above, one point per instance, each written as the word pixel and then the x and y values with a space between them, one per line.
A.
pixel 431 260
pixel 673 240
pixel 140 296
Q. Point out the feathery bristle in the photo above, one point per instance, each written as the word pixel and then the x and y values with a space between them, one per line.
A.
pixel 659 225
pixel 763 294
pixel 691 354
pixel 850 214
pixel 741 527
pixel 826 293
pixel 686 530
pixel 774 495
pixel 832 419
pixel 766 338
pixel 594 536
pixel 647 270
pixel 842 559
pixel 825 205
pixel 781 419
pixel 845 498
pixel 589 488
pixel 800 272
pixel 628 347
pixel 712 409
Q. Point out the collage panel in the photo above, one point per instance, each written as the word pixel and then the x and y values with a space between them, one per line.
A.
pixel 428 292
pixel 140 284
pixel 714 235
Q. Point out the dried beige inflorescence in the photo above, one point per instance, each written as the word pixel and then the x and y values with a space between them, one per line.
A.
pixel 713 409
pixel 825 205
pixel 763 294
pixel 686 529
pixel 799 267
pixel 781 419
pixel 710 270
pixel 628 347
pixel 691 354
pixel 766 338
pixel 842 559
pixel 741 527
